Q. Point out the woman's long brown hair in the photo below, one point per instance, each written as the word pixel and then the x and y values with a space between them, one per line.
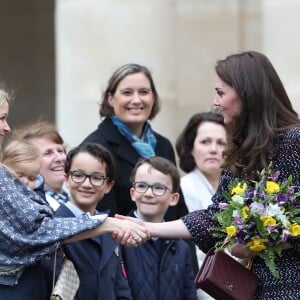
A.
pixel 266 110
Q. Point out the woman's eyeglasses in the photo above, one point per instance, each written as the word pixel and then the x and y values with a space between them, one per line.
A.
pixel 94 178
pixel 156 188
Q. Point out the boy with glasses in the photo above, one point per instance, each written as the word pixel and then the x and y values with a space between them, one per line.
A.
pixel 90 175
pixel 160 269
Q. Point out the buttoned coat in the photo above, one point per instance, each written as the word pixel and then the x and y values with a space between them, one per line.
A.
pixel 98 264
pixel 160 270
pixel 125 157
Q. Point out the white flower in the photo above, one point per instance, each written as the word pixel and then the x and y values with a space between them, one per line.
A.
pixel 238 199
pixel 285 222
pixel 273 210
pixel 235 213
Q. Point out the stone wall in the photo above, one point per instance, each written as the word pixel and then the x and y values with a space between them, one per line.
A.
pixel 179 41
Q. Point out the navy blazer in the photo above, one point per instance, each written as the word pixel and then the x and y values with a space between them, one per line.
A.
pixel 125 156
pixel 98 264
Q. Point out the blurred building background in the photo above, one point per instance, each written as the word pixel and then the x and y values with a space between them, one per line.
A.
pixel 58 55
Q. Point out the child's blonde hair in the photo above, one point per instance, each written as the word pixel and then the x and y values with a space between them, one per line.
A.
pixel 19 151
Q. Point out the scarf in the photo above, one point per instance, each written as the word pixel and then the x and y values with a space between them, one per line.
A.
pixel 62 197
pixel 145 145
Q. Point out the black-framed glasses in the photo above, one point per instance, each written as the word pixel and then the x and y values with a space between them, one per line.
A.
pixel 157 189
pixel 94 178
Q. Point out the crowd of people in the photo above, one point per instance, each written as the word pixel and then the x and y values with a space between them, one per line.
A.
pixel 116 206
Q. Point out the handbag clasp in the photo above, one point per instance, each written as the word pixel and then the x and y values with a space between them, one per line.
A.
pixel 229 286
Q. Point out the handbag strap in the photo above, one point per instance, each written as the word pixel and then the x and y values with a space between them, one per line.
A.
pixel 249 263
pixel 54 269
pixel 54 264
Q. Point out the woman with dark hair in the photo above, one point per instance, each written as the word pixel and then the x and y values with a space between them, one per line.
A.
pixel 263 128
pixel 200 149
pixel 129 102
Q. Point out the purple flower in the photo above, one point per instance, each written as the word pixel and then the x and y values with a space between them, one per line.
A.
pixel 282 198
pixel 274 176
pixel 250 194
pixel 271 228
pixel 237 220
pixel 291 193
pixel 222 205
pixel 240 236
pixel 285 234
pixel 241 226
pixel 257 208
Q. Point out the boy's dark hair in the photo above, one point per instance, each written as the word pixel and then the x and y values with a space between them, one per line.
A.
pixel 96 150
pixel 162 165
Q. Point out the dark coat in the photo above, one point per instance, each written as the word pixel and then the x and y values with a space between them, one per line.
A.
pixel 98 264
pixel 125 156
pixel 160 270
pixel 33 285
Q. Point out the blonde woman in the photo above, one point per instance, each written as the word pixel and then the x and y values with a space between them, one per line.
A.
pixel 28 230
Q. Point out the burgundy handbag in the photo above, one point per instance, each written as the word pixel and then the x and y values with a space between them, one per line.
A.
pixel 223 278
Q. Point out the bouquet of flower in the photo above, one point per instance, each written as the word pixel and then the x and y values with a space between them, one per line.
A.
pixel 261 215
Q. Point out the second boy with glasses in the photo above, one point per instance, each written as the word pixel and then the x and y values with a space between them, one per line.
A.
pixel 161 269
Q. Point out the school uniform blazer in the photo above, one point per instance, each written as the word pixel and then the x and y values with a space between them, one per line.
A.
pixel 125 156
pixel 98 264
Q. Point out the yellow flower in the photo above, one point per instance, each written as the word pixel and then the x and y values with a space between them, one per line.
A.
pixel 231 231
pixel 245 211
pixel 257 244
pixel 272 187
pixel 239 189
pixel 295 229
pixel 268 220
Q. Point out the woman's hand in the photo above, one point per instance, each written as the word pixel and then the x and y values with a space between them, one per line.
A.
pixel 132 232
pixel 241 251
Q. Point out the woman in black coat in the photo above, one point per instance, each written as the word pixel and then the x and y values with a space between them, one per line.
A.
pixel 129 102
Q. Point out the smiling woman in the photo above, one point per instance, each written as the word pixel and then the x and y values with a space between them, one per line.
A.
pixel 227 100
pixel 47 139
pixel 129 102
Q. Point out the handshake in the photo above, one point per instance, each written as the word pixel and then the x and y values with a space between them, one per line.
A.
pixel 129 231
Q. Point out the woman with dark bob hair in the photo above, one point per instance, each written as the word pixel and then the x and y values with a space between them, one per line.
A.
pixel 185 141
pixel 263 128
pixel 200 149
pixel 129 102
